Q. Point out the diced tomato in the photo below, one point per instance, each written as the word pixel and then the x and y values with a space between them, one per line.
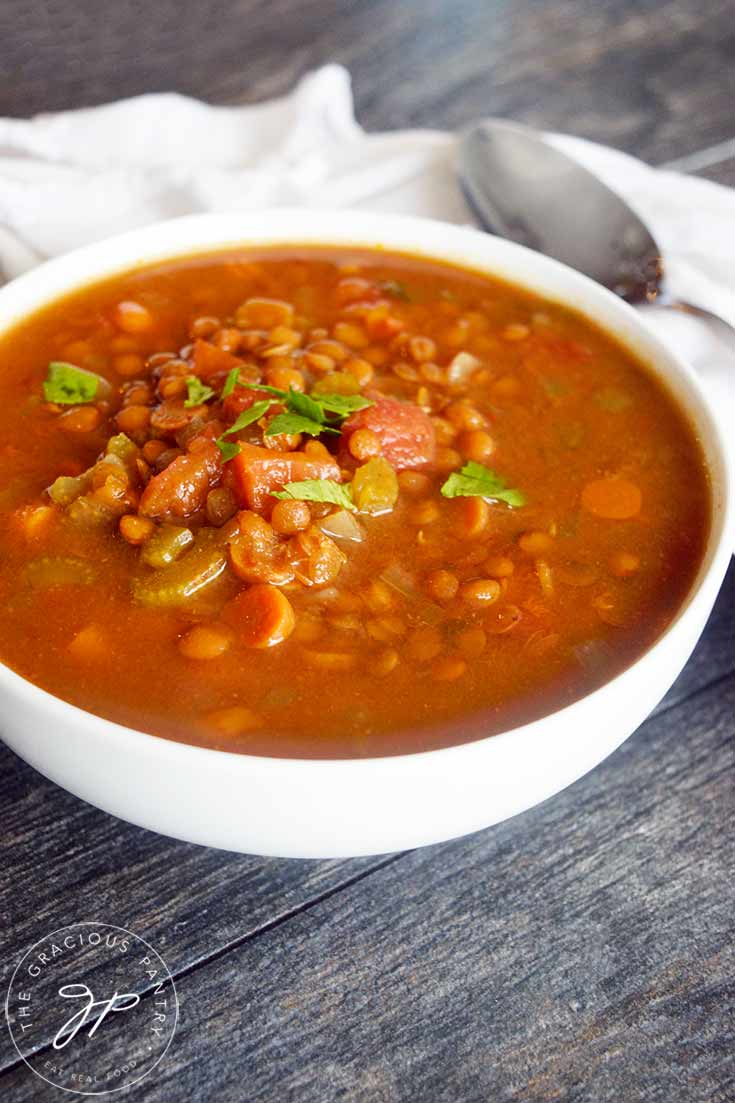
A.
pixel 204 435
pixel 258 471
pixel 242 399
pixel 181 488
pixel 405 432
pixel 261 615
pixel 210 360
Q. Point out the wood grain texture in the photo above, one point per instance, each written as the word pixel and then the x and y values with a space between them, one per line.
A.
pixel 556 956
pixel 654 77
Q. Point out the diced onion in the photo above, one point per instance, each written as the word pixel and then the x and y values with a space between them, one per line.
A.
pixel 462 367
pixel 342 526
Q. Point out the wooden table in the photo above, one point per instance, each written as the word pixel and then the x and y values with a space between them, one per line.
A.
pixel 580 952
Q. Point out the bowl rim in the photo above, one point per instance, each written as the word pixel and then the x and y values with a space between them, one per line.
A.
pixel 209 234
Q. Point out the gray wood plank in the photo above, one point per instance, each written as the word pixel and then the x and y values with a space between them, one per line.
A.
pixel 714 655
pixel 583 951
pixel 63 861
pixel 635 75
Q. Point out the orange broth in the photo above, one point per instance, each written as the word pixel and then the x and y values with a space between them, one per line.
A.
pixel 307 644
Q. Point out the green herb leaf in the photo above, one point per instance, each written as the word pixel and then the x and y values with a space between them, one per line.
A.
pixel 477 481
pixel 305 406
pixel 197 392
pixel 232 380
pixel 228 448
pixel 68 385
pixel 247 417
pixel 303 415
pixel 318 490
pixel 343 404
pixel 307 413
pixel 264 387
pixel 297 423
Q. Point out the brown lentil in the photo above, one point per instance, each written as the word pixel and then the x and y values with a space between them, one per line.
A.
pixel 480 592
pixel 290 517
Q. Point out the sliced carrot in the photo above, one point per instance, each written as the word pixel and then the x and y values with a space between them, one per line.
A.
pixel 209 360
pixel 613 498
pixel 258 471
pixel 182 487
pixel 262 616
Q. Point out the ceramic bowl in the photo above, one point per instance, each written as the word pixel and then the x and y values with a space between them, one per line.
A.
pixel 334 808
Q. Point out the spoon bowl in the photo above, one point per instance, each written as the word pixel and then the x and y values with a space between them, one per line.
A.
pixel 523 188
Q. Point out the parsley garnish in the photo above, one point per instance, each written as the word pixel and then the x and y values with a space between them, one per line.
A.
pixel 312 414
pixel 343 404
pixel 318 490
pixel 303 415
pixel 276 391
pixel 247 417
pixel 230 448
pixel 476 481
pixel 68 385
pixel 231 381
pixel 297 423
pixel 197 392
pixel 304 405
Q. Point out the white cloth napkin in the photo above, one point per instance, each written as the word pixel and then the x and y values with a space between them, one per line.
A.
pixel 73 177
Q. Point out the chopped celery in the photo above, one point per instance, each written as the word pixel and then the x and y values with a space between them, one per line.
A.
pixel 375 486
pixel 62 571
pixel 123 449
pixel 64 490
pixel 184 579
pixel 166 545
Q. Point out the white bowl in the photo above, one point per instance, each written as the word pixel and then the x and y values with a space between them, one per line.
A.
pixel 309 809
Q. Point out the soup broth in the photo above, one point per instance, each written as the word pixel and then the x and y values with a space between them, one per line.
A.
pixel 318 503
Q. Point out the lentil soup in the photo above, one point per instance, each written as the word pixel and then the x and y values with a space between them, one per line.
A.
pixel 318 503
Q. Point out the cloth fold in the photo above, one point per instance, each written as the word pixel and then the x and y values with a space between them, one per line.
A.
pixel 74 177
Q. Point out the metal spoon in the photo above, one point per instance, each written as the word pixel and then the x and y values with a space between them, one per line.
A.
pixel 525 189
